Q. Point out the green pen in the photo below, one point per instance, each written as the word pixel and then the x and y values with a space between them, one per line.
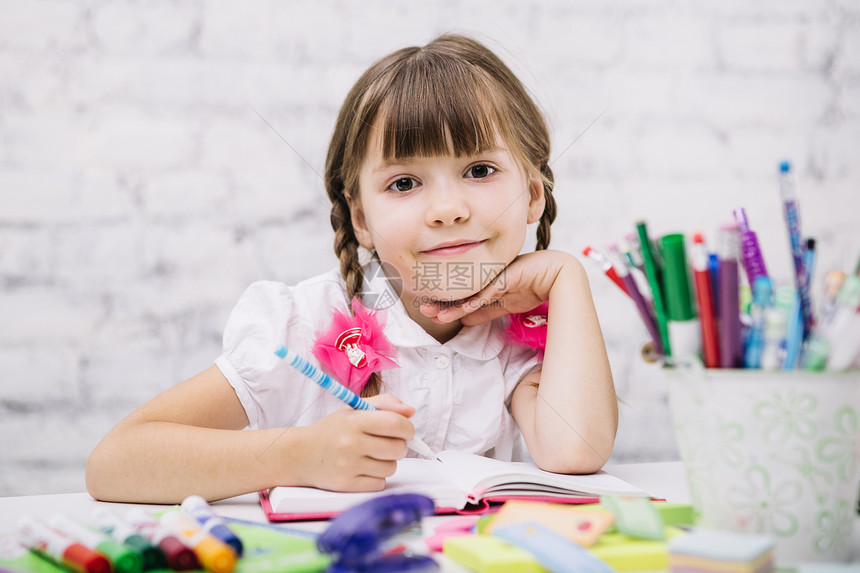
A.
pixel 124 559
pixel 653 274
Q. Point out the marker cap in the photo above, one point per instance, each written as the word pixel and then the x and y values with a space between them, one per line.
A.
pixel 153 557
pixel 179 556
pixel 226 535
pixel 81 558
pixel 215 556
pixel 124 559
pixel 676 279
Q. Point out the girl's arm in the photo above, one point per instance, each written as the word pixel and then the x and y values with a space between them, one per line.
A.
pixel 567 412
pixel 189 439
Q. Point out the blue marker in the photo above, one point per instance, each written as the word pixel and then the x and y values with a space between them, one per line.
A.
pixel 196 507
pixel 342 393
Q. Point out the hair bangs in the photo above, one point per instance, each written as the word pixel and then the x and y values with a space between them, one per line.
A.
pixel 434 108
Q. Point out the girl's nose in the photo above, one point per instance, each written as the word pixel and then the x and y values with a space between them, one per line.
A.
pixel 447 206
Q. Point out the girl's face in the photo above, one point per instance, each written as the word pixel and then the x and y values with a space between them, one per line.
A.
pixel 448 225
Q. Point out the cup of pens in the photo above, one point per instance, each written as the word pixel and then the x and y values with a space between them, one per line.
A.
pixel 772 452
pixel 763 383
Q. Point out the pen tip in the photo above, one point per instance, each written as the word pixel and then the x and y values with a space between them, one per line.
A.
pixel 438 460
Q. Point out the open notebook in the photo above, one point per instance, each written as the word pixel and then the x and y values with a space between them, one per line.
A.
pixel 461 483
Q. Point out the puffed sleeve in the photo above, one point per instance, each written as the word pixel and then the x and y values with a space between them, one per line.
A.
pixel 262 320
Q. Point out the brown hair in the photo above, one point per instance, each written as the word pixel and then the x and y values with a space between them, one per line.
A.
pixel 451 96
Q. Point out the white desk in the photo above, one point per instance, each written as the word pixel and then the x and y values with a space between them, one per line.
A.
pixel 661 479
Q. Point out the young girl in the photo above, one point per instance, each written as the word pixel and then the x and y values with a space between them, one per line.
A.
pixel 438 162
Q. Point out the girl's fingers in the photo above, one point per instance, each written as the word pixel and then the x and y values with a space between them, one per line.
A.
pixel 370 467
pixel 387 450
pixel 363 483
pixel 385 424
pixel 485 314
pixel 391 403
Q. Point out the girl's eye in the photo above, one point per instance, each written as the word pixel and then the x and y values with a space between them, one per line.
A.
pixel 403 185
pixel 480 171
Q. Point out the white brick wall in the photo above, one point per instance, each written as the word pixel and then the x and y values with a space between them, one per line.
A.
pixel 141 188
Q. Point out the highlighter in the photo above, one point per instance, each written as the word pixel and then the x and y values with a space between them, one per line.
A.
pixel 196 507
pixel 59 548
pixel 179 556
pixel 122 532
pixel 831 336
pixel 215 555
pixel 762 294
pixel 124 559
pixel 775 328
pixel 845 347
pixel 682 324
pixel 731 344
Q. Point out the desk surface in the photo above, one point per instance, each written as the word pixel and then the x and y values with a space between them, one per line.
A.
pixel 661 479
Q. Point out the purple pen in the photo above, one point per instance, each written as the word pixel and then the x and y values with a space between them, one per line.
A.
pixel 731 345
pixel 642 306
pixel 750 251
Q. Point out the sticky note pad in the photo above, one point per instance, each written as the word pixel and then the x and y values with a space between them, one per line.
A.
pixel 583 526
pixel 672 513
pixel 713 550
pixel 625 553
pixel 635 516
pixel 828 568
pixel 487 554
pixel 552 550
pixel 675 513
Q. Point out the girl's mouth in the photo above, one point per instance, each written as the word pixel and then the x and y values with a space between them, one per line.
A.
pixel 452 248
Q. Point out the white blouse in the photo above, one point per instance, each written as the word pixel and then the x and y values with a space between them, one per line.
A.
pixel 461 390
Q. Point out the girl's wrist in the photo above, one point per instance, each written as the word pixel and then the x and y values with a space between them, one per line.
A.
pixel 569 272
pixel 281 456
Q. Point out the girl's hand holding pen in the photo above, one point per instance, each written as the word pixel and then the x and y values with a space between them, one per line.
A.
pixel 355 450
pixel 523 285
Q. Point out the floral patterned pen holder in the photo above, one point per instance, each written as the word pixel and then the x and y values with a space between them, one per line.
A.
pixel 772 452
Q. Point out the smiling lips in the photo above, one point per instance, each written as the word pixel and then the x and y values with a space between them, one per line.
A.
pixel 452 248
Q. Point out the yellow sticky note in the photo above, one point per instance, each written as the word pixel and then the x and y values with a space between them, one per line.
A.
pixel 625 553
pixel 486 554
pixel 584 526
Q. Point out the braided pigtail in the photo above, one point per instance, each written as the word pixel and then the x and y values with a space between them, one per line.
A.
pixel 346 249
pixel 549 210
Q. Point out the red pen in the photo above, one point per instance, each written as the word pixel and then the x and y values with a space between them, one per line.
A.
pixel 605 266
pixel 705 300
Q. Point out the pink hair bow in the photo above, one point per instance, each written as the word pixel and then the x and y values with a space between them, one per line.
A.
pixel 529 328
pixel 354 347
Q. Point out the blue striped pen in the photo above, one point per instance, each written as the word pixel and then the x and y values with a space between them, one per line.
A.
pixel 342 393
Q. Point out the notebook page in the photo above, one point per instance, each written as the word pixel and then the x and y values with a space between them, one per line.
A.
pixel 413 475
pixel 478 474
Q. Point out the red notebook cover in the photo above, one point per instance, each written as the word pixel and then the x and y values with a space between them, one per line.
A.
pixel 487 505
